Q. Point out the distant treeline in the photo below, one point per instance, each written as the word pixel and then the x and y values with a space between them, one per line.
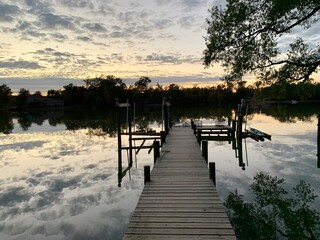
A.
pixel 103 122
pixel 102 91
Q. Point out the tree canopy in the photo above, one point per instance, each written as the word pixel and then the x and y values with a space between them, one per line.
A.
pixel 142 83
pixel 253 36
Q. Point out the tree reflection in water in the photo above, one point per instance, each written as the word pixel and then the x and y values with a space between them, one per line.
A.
pixel 273 215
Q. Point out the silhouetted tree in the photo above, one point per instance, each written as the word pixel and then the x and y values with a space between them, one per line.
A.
pixel 106 89
pixel 244 37
pixel 5 96
pixel 73 95
pixel 142 84
pixel 22 97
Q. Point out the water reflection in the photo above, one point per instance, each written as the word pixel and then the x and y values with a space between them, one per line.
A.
pixel 59 172
pixel 274 214
pixel 6 123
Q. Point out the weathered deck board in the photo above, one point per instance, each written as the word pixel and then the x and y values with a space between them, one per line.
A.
pixel 180 202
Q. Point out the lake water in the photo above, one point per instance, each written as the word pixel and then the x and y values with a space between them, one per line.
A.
pixel 59 175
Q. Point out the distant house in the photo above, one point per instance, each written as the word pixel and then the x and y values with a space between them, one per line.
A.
pixel 37 100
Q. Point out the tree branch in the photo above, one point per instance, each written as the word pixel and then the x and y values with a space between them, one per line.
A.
pixel 270 28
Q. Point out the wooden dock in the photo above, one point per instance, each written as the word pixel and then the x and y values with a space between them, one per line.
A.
pixel 180 201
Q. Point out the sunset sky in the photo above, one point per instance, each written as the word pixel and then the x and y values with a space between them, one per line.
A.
pixel 46 44
pixel 49 43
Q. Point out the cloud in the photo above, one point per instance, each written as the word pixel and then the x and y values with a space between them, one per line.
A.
pixel 51 21
pixel 20 64
pixel 167 58
pixel 77 3
pixel 58 37
pixel 37 7
pixel 188 21
pixel 84 38
pixel 185 4
pixel 55 57
pixel 26 31
pixel 8 12
pixel 23 25
pixel 95 27
pixel 14 195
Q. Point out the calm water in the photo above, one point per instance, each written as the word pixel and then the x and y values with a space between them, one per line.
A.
pixel 59 176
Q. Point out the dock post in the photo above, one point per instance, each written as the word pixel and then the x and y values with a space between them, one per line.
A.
pixel 192 123
pixel 156 150
pixel 239 130
pixel 212 171
pixel 318 142
pixel 233 126
pixel 163 137
pixel 199 136
pixel 119 143
pixel 205 150
pixel 130 134
pixel 166 117
pixel 146 174
pixel 195 129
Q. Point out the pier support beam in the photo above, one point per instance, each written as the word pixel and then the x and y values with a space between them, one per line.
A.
pixel 156 150
pixel 163 137
pixel 318 142
pixel 147 174
pixel 195 129
pixel 199 136
pixel 212 171
pixel 205 150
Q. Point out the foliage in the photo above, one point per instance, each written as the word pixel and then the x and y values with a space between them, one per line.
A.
pixel 142 84
pixel 101 92
pixel 272 214
pixel 22 97
pixel 5 94
pixel 244 36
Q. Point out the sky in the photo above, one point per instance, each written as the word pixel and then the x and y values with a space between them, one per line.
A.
pixel 46 44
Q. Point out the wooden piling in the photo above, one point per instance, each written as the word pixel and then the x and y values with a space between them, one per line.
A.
pixel 205 150
pixel 239 130
pixel 163 137
pixel 156 150
pixel 199 136
pixel 192 123
pixel 119 145
pixel 318 142
pixel 212 172
pixel 146 174
pixel 130 135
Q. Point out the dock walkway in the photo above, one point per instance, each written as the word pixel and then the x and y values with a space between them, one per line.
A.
pixel 180 202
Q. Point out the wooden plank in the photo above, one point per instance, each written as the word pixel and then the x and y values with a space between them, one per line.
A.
pixel 180 201
pixel 180 225
pixel 159 215
pixel 184 231
pixel 166 219
pixel 181 210
pixel 177 237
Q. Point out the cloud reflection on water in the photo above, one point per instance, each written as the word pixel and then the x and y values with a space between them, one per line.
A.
pixel 63 184
pixel 75 196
